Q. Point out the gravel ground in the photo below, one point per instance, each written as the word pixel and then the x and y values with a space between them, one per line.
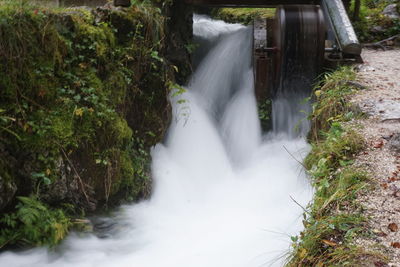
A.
pixel 381 100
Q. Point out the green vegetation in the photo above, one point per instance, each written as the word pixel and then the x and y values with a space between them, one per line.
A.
pixel 243 15
pixel 83 95
pixel 334 219
pixel 264 114
pixel 32 224
pixel 331 106
pixel 371 25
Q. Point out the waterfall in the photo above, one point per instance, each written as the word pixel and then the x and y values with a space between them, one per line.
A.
pixel 223 194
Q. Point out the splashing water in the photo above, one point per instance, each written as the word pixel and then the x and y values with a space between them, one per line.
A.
pixel 222 193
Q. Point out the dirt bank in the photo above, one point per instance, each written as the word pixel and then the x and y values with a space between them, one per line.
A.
pixel 381 101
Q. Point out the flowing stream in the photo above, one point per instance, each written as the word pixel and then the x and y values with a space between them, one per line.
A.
pixel 223 193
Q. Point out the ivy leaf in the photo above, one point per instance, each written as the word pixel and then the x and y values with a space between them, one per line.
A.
pixel 46 181
pixel 154 54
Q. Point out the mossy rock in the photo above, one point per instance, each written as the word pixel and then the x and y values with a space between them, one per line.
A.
pixel 83 97
pixel 243 15
pixel 8 186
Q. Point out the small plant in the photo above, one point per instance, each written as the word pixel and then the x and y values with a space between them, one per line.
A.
pixel 339 146
pixel 264 114
pixel 32 224
pixel 330 104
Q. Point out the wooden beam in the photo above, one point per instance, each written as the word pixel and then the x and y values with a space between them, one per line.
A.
pixel 344 30
pixel 250 3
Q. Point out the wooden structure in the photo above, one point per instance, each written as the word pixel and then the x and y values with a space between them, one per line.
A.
pixel 250 3
pixel 301 37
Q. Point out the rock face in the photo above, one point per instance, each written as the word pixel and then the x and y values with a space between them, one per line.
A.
pixel 7 192
pixel 8 186
pixel 179 34
pixel 378 29
pixel 96 82
pixel 391 11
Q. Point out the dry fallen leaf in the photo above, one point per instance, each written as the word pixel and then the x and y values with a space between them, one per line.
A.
pixel 393 227
pixel 378 144
pixel 380 264
pixel 42 93
pixel 395 244
pixel 381 234
pixel 330 243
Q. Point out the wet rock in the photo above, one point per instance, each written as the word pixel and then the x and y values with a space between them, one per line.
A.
pixel 179 34
pixel 396 41
pixel 391 11
pixel 364 68
pixel 66 20
pixel 122 3
pixel 8 186
pixel 7 191
pixel 378 29
pixel 394 143
pixel 58 190
pixel 68 188
pixel 120 19
pixel 79 9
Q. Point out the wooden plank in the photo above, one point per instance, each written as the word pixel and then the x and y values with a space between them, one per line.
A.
pixel 250 3
pixel 261 58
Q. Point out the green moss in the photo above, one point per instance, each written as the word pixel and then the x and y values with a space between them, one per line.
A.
pixel 243 15
pixel 74 87
pixel 134 170
pixel 127 169
pixel 116 84
pixel 122 132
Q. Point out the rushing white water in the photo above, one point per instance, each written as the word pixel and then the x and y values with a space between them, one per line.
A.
pixel 222 195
